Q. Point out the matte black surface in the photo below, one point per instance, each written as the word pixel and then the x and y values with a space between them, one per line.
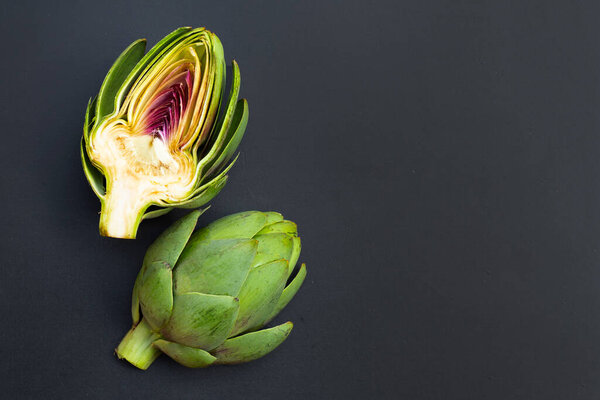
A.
pixel 440 157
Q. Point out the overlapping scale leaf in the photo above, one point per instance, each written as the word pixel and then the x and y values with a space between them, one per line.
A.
pixel 272 217
pixel 117 74
pixel 296 247
pixel 201 320
pixel 235 226
pixel 218 139
pixel 215 266
pixel 288 293
pixel 166 248
pixel 152 56
pixel 252 345
pixel 156 294
pixel 209 192
pixel 236 131
pixel 287 227
pixel 259 295
pixel 169 245
pixel 273 246
pixel 185 355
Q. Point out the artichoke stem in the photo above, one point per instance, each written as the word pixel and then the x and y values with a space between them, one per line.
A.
pixel 136 347
pixel 122 209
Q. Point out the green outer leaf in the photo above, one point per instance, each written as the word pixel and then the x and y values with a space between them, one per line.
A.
pixel 234 226
pixel 288 227
pixel 272 217
pixel 214 266
pixel 252 345
pixel 157 213
pixel 288 293
pixel 207 195
pixel 169 245
pixel 135 299
pixel 213 181
pixel 89 118
pixel 92 174
pixel 156 294
pixel 238 127
pixel 260 294
pixel 117 74
pixel 184 355
pixel 297 246
pixel 273 246
pixel 201 320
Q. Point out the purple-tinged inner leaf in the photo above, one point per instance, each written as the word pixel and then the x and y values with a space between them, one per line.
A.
pixel 165 112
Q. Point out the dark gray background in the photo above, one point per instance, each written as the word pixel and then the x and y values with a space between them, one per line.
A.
pixel 440 157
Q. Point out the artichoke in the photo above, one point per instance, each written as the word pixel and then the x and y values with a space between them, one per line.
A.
pixel 205 296
pixel 153 135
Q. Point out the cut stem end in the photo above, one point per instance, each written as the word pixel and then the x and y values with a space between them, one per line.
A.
pixel 136 347
pixel 122 212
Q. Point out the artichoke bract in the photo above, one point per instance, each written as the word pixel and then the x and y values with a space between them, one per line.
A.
pixel 153 135
pixel 202 298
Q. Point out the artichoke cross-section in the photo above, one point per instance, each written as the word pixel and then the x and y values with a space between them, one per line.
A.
pixel 160 132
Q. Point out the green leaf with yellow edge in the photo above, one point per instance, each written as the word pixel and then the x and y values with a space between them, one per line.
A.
pixel 238 127
pixel 205 196
pixel 158 50
pixel 117 75
pixel 218 140
pixel 93 176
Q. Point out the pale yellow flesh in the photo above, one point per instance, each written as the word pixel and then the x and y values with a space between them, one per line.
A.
pixel 141 170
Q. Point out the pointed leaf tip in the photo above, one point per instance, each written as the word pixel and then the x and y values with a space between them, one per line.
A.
pixel 259 295
pixel 169 245
pixel 288 293
pixel 117 74
pixel 184 355
pixel 252 345
pixel 201 320
pixel 214 266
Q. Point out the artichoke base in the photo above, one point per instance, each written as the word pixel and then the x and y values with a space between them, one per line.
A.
pixel 122 209
pixel 136 347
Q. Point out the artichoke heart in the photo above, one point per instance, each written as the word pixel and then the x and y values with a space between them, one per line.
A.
pixel 153 135
pixel 203 298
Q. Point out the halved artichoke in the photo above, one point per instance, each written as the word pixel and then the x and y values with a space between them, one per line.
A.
pixel 153 135
pixel 204 297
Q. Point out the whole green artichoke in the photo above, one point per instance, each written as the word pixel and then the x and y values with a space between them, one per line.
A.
pixel 153 135
pixel 205 296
